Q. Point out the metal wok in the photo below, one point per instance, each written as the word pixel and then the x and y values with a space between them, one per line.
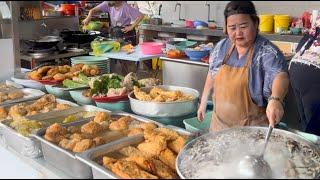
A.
pixel 45 42
pixel 78 37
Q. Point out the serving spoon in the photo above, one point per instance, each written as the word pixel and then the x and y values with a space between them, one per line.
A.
pixel 255 166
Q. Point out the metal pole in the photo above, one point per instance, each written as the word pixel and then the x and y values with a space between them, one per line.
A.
pixel 15 13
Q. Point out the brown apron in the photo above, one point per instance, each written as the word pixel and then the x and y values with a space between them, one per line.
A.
pixel 233 105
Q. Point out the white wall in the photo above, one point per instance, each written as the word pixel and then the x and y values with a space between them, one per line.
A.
pixel 197 10
pixel 7 59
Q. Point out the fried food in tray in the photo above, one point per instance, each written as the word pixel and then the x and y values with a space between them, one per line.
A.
pixel 157 94
pixel 11 95
pixel 101 129
pixel 60 73
pixel 148 158
pixel 46 103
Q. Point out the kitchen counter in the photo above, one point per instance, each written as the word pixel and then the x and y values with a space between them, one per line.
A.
pixel 218 32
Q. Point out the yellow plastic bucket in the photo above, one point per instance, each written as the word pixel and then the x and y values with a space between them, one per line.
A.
pixel 266 23
pixel 281 22
pixel 155 65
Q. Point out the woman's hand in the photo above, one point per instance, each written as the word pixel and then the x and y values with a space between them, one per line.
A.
pixel 86 21
pixel 127 29
pixel 201 112
pixel 274 112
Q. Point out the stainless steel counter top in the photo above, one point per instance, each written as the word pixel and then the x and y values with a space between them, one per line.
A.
pixel 185 61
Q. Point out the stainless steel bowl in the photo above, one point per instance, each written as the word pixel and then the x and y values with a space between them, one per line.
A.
pixel 165 109
pixel 214 154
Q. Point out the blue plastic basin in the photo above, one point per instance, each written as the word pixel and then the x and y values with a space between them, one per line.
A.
pixel 195 55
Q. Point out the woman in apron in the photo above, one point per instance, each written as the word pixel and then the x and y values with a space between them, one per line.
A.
pixel 121 15
pixel 247 73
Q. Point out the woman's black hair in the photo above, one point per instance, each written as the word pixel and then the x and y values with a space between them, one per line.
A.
pixel 240 7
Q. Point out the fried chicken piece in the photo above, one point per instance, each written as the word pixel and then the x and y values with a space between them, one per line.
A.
pixel 148 126
pixel 68 144
pixel 152 148
pixel 172 135
pixel 120 124
pixel 102 116
pixel 108 162
pixel 3 113
pixel 74 129
pixel 159 98
pixel 62 106
pixel 83 145
pixel 155 92
pixel 140 95
pixel 52 137
pixel 53 71
pixel 99 141
pixel 43 70
pixel 168 158
pixel 162 170
pixel 177 144
pixel 45 100
pixel 3 98
pixel 34 75
pixel 130 170
pixel 18 110
pixel 64 69
pixel 15 94
pixel 77 136
pixel 94 71
pixel 91 128
pixel 59 77
pixel 68 75
pixel 30 113
pixel 143 162
pixel 135 131
pixel 49 77
pixel 155 136
pixel 132 151
pixel 57 128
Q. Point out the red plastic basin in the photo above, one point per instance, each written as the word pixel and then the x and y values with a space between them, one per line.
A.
pixel 151 48
pixel 110 99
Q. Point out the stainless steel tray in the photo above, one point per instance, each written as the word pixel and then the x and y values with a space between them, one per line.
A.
pixel 61 101
pixel 30 94
pixel 100 172
pixel 66 160
pixel 12 86
pixel 29 146
pixel 165 109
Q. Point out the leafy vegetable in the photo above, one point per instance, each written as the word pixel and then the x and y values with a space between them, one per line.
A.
pixel 72 84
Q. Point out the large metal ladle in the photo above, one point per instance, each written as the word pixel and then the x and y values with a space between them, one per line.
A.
pixel 254 166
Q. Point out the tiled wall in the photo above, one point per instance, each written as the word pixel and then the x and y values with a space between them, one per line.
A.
pixel 198 10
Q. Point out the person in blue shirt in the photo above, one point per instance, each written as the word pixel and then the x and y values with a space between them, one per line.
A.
pixel 247 73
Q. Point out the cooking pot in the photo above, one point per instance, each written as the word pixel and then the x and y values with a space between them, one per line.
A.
pixel 217 155
pixel 156 20
pixel 78 36
pixel 45 42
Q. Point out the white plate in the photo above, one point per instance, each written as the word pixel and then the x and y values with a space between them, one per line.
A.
pixel 21 79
